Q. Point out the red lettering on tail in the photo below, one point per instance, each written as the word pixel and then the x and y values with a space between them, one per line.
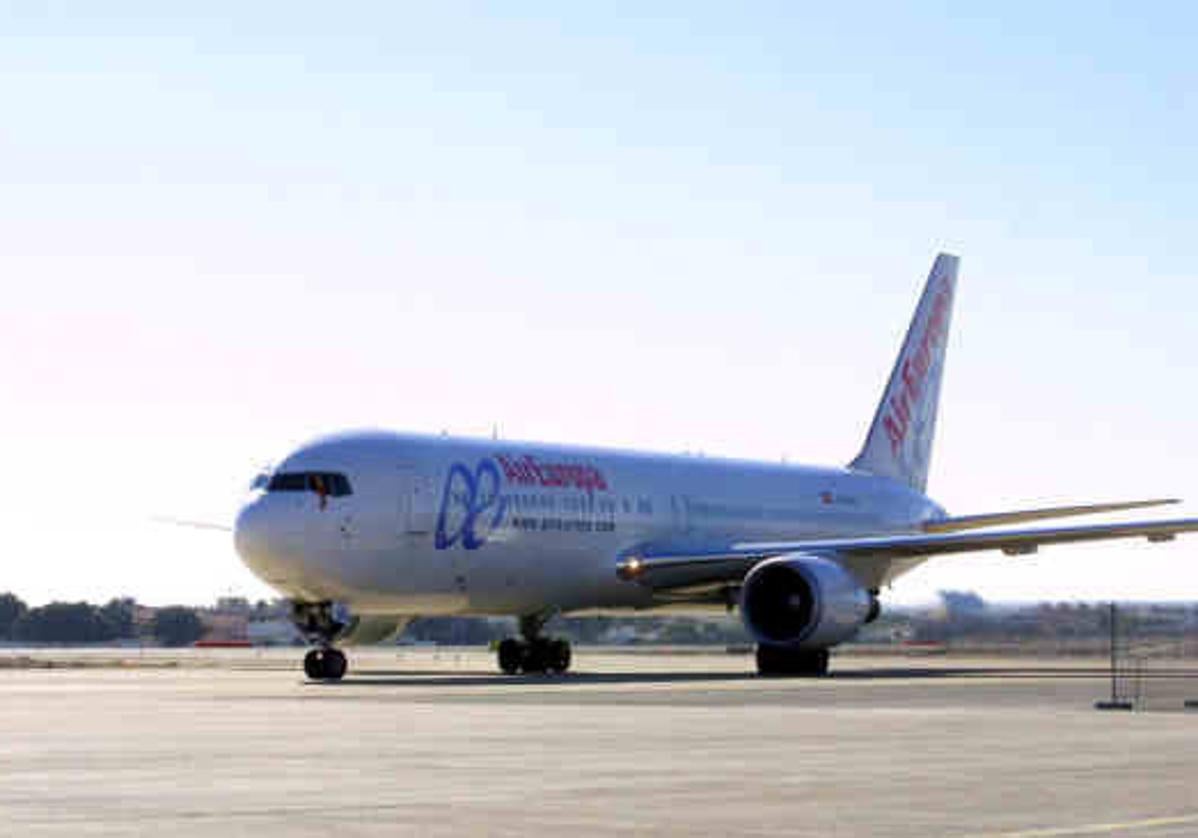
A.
pixel 914 370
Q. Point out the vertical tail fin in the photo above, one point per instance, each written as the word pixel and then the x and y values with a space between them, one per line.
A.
pixel 899 444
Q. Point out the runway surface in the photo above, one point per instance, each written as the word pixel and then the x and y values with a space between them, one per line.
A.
pixel 427 742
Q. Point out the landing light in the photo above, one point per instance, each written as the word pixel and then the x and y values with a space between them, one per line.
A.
pixel 630 568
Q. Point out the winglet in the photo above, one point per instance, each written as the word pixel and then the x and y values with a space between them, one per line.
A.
pixel 899 443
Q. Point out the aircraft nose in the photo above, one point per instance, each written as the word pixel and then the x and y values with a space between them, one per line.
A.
pixel 262 540
pixel 249 530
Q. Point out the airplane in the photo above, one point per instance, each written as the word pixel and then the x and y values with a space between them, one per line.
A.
pixel 363 531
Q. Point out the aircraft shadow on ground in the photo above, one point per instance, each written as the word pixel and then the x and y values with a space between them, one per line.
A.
pixel 477 678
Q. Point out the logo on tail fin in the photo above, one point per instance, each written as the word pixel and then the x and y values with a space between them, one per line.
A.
pixel 899 443
pixel 914 369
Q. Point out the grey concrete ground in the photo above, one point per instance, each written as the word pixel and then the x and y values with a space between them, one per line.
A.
pixel 425 742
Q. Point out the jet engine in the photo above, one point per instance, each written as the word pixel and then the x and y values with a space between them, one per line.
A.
pixel 804 602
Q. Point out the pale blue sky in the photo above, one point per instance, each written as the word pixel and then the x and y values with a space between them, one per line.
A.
pixel 698 227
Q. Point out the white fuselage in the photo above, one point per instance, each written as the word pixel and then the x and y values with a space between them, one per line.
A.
pixel 420 525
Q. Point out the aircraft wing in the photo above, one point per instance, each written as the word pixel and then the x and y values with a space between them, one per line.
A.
pixel 995 519
pixel 667 570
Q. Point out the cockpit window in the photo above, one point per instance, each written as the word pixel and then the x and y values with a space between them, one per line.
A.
pixel 338 484
pixel 325 483
pixel 288 481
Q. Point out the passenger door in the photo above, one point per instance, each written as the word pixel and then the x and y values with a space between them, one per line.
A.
pixel 417 502
pixel 680 515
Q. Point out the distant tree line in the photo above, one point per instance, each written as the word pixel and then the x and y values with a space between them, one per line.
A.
pixel 961 616
pixel 82 622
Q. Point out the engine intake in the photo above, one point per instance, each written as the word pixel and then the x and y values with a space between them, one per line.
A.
pixel 802 601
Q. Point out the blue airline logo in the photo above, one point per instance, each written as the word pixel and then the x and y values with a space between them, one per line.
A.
pixel 471 506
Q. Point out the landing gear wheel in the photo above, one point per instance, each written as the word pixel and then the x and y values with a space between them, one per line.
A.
pixel 779 661
pixel 551 655
pixel 557 655
pixel 335 665
pixel 532 652
pixel 325 664
pixel 314 664
pixel 511 656
pixel 534 657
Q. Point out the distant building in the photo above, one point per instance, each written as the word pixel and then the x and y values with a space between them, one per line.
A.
pixel 273 632
pixel 223 625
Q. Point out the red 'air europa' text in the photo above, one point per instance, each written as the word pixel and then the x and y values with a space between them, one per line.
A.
pixel 529 471
pixel 913 373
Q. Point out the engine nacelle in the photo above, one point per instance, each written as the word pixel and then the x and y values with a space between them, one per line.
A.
pixel 804 602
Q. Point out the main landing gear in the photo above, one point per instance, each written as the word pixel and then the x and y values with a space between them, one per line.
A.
pixel 532 653
pixel 781 661
pixel 321 623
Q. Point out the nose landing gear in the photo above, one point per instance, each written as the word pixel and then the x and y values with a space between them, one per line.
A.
pixel 321 623
pixel 533 653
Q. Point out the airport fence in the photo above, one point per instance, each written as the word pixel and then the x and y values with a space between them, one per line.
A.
pixel 1151 670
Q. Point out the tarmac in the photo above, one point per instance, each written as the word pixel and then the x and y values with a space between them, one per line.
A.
pixel 422 741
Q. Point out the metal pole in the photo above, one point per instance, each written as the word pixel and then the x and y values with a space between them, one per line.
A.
pixel 1114 696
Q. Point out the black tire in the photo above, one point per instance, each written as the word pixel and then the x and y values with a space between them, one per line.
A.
pixel 818 663
pixel 511 656
pixel 335 665
pixel 314 665
pixel 558 657
pixel 780 661
pixel 325 664
pixel 536 657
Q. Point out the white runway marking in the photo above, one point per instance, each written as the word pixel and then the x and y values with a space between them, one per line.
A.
pixel 1098 828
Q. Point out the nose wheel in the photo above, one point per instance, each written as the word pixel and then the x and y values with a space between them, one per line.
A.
pixel 325 664
pixel 321 623
pixel 533 654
